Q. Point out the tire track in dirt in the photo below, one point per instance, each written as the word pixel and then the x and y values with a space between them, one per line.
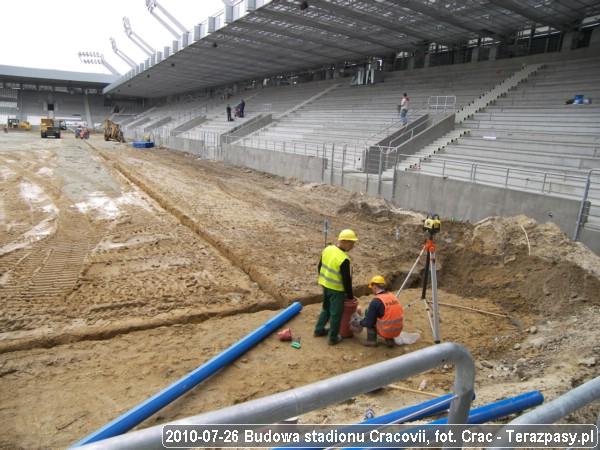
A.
pixel 167 204
pixel 54 265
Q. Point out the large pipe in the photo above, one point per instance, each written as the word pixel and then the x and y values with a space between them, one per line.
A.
pixel 144 410
pixel 560 407
pixel 497 410
pixel 281 406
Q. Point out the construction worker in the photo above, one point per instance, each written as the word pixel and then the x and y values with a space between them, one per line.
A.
pixel 384 316
pixel 336 279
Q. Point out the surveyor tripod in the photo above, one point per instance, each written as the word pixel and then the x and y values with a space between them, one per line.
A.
pixel 431 226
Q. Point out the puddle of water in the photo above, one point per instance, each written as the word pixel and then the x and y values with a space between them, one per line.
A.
pixel 45 228
pixel 100 204
pixel 105 207
pixel 32 193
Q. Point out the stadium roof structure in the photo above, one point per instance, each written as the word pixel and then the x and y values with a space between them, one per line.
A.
pixel 247 41
pixel 54 77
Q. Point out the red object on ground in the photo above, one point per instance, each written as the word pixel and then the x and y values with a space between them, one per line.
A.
pixel 285 334
pixel 350 306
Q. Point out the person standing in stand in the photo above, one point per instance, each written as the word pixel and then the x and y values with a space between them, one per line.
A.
pixel 404 108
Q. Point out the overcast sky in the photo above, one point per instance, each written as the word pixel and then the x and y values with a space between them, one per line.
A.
pixel 48 34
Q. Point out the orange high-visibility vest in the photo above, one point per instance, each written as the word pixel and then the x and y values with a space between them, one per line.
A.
pixel 390 325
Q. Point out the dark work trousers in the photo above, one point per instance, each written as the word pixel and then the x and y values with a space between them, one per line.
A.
pixel 333 308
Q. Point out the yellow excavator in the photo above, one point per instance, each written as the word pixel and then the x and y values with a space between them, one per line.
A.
pixel 112 131
pixel 16 124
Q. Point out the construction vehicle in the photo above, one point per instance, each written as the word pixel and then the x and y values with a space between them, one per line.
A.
pixel 16 124
pixel 48 127
pixel 112 131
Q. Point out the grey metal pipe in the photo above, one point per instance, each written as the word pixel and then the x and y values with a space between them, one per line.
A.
pixel 166 25
pixel 560 407
pixel 586 191
pixel 294 402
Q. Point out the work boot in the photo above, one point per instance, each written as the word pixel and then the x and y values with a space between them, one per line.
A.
pixel 371 338
pixel 335 341
pixel 390 343
pixel 321 333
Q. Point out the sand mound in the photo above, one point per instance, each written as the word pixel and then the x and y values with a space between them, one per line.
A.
pixel 508 236
pixel 377 209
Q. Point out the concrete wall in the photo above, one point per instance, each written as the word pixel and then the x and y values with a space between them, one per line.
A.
pixel 473 202
pixel 306 168
pixel 193 146
pixel 590 238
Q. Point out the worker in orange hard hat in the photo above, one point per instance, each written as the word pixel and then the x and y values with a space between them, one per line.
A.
pixel 336 278
pixel 384 316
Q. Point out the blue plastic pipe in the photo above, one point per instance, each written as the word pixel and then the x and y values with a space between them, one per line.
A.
pixel 415 412
pixel 144 410
pixel 496 410
pixel 501 408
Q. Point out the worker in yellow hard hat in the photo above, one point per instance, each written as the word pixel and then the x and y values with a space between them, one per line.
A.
pixel 384 316
pixel 336 278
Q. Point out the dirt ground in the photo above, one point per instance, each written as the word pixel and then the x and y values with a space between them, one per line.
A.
pixel 121 270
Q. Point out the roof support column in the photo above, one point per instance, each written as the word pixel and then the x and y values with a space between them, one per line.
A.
pixel 567 40
pixel 595 37
pixel 475 54
pixel 493 52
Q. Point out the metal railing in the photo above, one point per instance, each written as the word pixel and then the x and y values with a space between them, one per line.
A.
pixel 441 103
pixel 552 411
pixel 282 406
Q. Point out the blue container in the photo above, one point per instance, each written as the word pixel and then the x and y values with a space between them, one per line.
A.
pixel 143 144
pixel 578 99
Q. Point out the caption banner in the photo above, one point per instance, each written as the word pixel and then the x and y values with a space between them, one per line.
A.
pixel 380 436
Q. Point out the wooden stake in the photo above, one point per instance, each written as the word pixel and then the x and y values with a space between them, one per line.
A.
pixel 473 309
pixel 414 391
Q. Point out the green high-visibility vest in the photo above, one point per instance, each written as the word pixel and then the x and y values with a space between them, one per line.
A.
pixel 330 276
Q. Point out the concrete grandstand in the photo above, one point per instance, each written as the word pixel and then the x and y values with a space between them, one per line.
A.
pixel 26 93
pixel 323 100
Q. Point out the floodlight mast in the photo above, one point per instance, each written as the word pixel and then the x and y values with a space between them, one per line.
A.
pixel 153 4
pixel 136 39
pixel 122 55
pixel 97 58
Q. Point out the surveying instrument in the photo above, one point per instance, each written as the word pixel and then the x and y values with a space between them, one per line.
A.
pixel 431 226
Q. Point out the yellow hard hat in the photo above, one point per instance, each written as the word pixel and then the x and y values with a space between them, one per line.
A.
pixel 377 279
pixel 347 235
